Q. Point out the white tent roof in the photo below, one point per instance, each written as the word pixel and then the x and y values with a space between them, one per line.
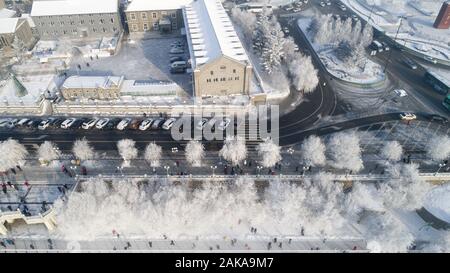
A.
pixel 8 25
pixel 147 5
pixel 69 7
pixel 211 33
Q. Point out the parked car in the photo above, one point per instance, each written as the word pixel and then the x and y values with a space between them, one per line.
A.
pixel 322 4
pixel 178 67
pixel 68 123
pixel 176 59
pixel 34 123
pixel 158 123
pixel 177 43
pixel 169 123
pixel 400 92
pixel 355 17
pixel 134 124
pixel 90 123
pixel 112 123
pixel 438 118
pixel 145 124
pixel 45 123
pixel 385 46
pixel 430 59
pixel 102 123
pixel 408 116
pixel 176 50
pixel 201 124
pixel 57 122
pixel 123 124
pixel 23 121
pixel 224 124
pixel 342 7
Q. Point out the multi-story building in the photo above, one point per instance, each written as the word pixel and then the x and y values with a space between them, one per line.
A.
pixel 76 18
pixel 4 12
pixel 443 18
pixel 16 28
pixel 91 87
pixel 164 16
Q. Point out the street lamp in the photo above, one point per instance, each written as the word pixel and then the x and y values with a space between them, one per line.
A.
pixel 259 169
pixel 167 169
pixel 290 150
pixel 119 168
pixel 440 166
pixel 213 169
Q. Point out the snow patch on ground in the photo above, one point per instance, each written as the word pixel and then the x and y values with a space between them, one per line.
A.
pixel 438 202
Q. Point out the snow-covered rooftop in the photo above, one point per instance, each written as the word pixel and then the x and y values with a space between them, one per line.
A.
pixel 146 5
pixel 148 88
pixel 29 19
pixel 92 82
pixel 7 13
pixel 8 25
pixel 68 7
pixel 210 33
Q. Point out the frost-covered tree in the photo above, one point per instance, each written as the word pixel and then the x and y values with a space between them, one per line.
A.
pixel 406 189
pixel 194 153
pixel 366 36
pixel 312 151
pixel 152 154
pixel 83 150
pixel 234 149
pixel 391 151
pixel 269 152
pixel 127 150
pixel 345 152
pixel 303 73
pixel 438 147
pixel 272 51
pixel 48 152
pixel 246 21
pixel 262 29
pixel 12 152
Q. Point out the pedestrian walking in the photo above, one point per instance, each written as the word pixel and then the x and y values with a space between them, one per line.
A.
pixel 269 245
pixel 150 244
pixel 275 240
pixel 290 240
pixel 31 246
pixel 18 167
pixel 172 243
pixel 128 244
pixel 280 245
pixel 3 244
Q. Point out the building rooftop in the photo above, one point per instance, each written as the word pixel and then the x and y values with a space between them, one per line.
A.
pixel 68 7
pixel 7 13
pixel 149 88
pixel 210 33
pixel 92 82
pixel 8 25
pixel 145 5
pixel 29 19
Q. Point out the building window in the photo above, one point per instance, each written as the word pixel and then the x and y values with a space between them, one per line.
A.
pixel 174 15
pixel 82 22
pixel 223 67
pixel 112 20
pixel 92 22
pixel 135 27
pixel 155 26
pixel 174 25
pixel 102 21
pixel 133 16
pixel 216 80
pixel 144 15
pixel 236 78
pixel 104 29
pixel 94 30
pixel 145 27
pixel 230 78
pixel 208 80
pixel 234 70
pixel 154 15
pixel 61 23
pixel 52 23
pixel 211 72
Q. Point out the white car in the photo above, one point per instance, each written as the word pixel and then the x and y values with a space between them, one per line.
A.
pixel 102 123
pixel 45 123
pixel 169 123
pixel 123 124
pixel 145 124
pixel 201 124
pixel 22 121
pixel 408 116
pixel 322 4
pixel 400 92
pixel 68 123
pixel 89 124
pixel 430 59
pixel 328 3
pixel 343 8
pixel 224 124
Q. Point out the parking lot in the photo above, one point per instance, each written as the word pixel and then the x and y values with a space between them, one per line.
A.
pixel 147 58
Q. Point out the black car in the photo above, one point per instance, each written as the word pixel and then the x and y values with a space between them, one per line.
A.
pixel 438 118
pixel 57 122
pixel 33 123
pixel 176 59
pixel 112 123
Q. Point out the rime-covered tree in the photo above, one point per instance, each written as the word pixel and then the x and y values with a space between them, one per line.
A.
pixel 269 152
pixel 152 154
pixel 312 151
pixel 262 29
pixel 48 152
pixel 345 152
pixel 127 150
pixel 272 52
pixel 83 150
pixel 438 147
pixel 194 153
pixel 392 151
pixel 303 73
pixel 246 21
pixel 234 149
pixel 12 152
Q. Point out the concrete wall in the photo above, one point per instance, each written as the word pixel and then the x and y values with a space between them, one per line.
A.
pixel 92 25
pixel 222 77
pixel 91 93
pixel 137 19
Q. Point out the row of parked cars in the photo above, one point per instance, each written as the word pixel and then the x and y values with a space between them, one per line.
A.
pixel 107 123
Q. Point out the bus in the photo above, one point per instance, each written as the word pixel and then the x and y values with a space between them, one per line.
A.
pixel 254 7
pixel 446 102
pixel 439 83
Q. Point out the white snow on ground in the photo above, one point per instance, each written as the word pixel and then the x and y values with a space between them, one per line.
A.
pixel 416 32
pixel 372 73
pixel 438 202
